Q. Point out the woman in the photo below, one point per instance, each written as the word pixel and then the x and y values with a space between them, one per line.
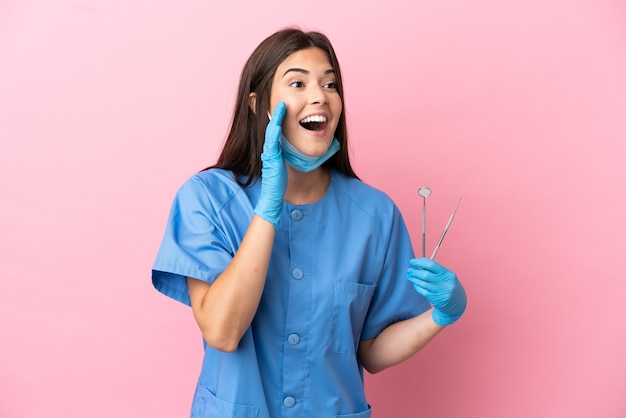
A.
pixel 294 268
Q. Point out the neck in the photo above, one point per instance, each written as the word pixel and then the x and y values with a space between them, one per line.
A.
pixel 306 188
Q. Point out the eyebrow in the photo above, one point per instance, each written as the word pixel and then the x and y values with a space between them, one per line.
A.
pixel 303 71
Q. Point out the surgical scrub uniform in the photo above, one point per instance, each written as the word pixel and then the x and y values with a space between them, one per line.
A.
pixel 336 276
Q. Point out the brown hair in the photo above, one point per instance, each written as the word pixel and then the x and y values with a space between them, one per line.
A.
pixel 244 143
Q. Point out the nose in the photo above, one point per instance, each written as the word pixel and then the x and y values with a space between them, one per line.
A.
pixel 318 95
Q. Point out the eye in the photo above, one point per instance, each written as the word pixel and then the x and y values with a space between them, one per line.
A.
pixel 296 84
pixel 332 85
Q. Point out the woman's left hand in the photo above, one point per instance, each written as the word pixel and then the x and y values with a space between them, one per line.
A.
pixel 441 287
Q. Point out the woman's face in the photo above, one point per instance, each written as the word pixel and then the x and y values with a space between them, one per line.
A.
pixel 306 82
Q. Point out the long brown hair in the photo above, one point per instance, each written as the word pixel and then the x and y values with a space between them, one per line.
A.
pixel 244 143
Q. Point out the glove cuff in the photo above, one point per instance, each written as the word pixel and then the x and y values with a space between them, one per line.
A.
pixel 443 319
pixel 271 215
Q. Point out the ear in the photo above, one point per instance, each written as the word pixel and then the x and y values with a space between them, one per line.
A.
pixel 252 101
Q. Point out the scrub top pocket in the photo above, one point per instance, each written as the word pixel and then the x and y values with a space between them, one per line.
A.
pixel 207 405
pixel 351 302
pixel 364 414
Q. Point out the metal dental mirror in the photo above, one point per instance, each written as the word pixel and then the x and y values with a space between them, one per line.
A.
pixel 424 192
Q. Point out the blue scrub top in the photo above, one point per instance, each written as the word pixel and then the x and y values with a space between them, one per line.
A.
pixel 336 276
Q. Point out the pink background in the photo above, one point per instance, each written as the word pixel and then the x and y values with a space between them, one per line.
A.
pixel 106 107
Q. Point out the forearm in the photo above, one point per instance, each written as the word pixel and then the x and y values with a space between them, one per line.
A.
pixel 398 342
pixel 225 309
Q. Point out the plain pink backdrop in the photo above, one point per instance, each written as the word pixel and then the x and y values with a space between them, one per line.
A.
pixel 518 107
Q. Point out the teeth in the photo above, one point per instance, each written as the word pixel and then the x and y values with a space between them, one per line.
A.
pixel 314 118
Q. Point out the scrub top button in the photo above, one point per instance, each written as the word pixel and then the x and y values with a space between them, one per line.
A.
pixel 297 273
pixel 296 214
pixel 293 339
pixel 289 401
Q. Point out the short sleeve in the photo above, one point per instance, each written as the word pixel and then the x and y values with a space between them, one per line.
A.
pixel 196 242
pixel 394 299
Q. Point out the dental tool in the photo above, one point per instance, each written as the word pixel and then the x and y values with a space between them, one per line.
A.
pixel 432 257
pixel 424 192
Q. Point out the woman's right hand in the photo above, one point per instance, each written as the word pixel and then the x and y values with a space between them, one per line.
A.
pixel 274 171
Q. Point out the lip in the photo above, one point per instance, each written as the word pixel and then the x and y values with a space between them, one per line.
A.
pixel 324 114
pixel 315 134
pixel 314 114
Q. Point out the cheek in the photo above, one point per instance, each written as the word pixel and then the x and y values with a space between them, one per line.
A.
pixel 337 107
pixel 273 102
pixel 292 110
pixel 335 103
pixel 277 97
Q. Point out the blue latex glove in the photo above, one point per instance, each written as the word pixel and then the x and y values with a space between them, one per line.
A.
pixel 440 286
pixel 274 171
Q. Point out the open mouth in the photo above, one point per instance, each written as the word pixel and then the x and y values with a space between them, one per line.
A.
pixel 314 123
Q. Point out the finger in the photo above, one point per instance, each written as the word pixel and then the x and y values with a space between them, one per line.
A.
pixel 279 113
pixel 273 130
pixel 423 274
pixel 427 264
pixel 422 292
pixel 425 287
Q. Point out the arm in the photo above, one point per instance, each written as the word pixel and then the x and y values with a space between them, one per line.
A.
pixel 224 310
pixel 398 342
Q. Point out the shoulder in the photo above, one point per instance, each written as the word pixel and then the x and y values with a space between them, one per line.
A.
pixel 367 205
pixel 214 177
pixel 214 187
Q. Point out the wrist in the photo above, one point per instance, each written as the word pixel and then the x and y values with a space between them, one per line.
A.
pixel 443 319
pixel 271 215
